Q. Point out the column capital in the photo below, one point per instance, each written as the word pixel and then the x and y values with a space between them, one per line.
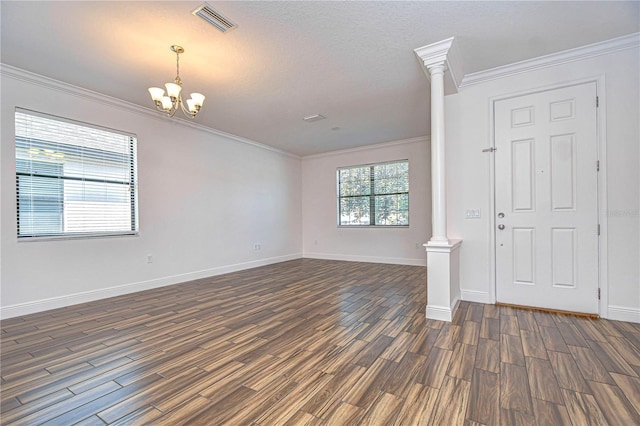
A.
pixel 438 67
pixel 442 53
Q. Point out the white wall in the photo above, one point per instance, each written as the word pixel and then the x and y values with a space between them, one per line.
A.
pixel 323 239
pixel 287 205
pixel 468 173
pixel 204 201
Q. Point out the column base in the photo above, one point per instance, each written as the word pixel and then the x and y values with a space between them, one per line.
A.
pixel 443 279
pixel 438 241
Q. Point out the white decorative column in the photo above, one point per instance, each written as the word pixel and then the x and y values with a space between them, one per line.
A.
pixel 438 188
pixel 441 65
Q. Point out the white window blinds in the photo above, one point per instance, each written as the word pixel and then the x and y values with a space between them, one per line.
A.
pixel 73 179
pixel 374 194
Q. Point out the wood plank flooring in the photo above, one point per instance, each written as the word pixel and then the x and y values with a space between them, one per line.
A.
pixel 314 342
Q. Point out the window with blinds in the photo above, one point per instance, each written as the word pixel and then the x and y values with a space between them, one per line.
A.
pixel 374 195
pixel 73 179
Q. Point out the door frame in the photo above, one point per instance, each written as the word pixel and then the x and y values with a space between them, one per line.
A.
pixel 601 145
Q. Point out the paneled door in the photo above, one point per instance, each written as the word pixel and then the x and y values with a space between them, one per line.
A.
pixel 546 199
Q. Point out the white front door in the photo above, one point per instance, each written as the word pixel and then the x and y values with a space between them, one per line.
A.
pixel 546 199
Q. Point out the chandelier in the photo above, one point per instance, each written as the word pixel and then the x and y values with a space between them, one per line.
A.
pixel 173 100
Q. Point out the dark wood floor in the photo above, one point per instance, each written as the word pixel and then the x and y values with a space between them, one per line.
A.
pixel 314 342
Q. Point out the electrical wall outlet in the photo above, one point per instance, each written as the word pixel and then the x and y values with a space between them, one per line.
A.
pixel 256 246
pixel 149 258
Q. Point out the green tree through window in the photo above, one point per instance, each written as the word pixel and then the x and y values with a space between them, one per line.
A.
pixel 374 195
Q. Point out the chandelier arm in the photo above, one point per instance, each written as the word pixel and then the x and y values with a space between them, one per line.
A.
pixel 185 110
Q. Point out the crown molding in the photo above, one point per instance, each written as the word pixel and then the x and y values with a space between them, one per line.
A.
pixel 60 86
pixel 630 41
pixel 368 147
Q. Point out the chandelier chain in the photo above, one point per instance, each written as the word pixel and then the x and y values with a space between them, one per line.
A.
pixel 177 66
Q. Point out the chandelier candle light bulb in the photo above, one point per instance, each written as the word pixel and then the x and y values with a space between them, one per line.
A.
pixel 173 100
pixel 156 93
pixel 166 103
pixel 173 90
pixel 191 106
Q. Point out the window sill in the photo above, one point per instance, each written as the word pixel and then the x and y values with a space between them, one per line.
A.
pixel 76 237
pixel 373 226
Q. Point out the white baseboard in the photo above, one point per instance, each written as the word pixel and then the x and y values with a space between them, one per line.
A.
pixel 475 296
pixel 623 313
pixel 371 259
pixel 442 313
pixel 89 296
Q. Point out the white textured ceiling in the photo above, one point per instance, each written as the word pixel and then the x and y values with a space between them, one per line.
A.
pixel 352 62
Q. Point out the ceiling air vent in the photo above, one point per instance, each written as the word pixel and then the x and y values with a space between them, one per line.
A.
pixel 214 17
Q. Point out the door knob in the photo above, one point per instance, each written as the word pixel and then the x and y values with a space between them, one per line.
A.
pixel 501 215
pixel 501 227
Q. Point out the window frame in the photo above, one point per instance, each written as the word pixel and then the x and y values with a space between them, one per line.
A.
pixel 132 183
pixel 372 195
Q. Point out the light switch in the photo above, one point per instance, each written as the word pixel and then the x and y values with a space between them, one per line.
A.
pixel 472 214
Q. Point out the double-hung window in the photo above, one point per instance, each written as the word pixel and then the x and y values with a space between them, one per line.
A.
pixel 374 194
pixel 73 179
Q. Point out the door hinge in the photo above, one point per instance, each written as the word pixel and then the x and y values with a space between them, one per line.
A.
pixel 598 294
pixel 598 166
pixel 598 229
pixel 492 149
pixel 597 101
